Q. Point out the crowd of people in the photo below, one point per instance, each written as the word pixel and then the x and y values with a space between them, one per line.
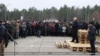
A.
pixel 21 29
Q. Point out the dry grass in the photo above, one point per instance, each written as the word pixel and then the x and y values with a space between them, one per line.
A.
pixel 98 38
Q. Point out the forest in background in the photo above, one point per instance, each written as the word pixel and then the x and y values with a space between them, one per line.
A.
pixel 63 14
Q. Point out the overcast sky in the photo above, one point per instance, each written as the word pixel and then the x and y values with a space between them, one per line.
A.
pixel 41 4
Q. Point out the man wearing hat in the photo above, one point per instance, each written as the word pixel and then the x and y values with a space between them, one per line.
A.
pixel 92 36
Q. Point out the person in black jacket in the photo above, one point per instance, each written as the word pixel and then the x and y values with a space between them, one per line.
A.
pixel 56 29
pixel 92 37
pixel 74 30
pixel 38 27
pixel 97 25
pixel 2 32
pixel 9 29
pixel 85 25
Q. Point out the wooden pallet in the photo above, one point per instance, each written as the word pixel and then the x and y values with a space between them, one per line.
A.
pixel 83 41
pixel 82 36
pixel 61 44
pixel 82 31
pixel 64 44
pixel 79 47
